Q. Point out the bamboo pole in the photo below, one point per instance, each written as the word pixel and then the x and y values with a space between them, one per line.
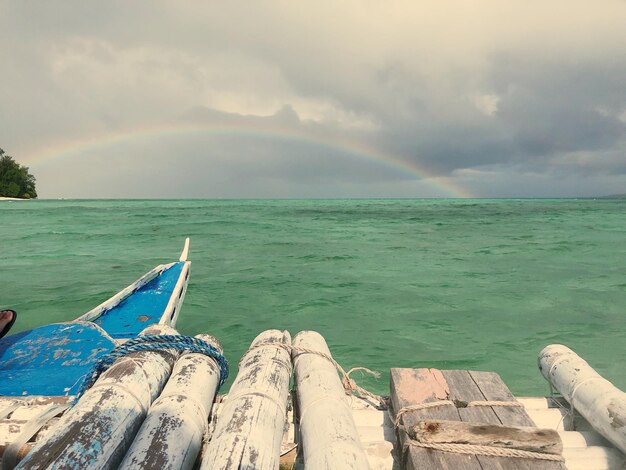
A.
pixel 594 397
pixel 171 435
pixel 97 432
pixel 328 434
pixel 250 426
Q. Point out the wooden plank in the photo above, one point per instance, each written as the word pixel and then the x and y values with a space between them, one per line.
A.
pixel 494 389
pixel 249 429
pixel 328 433
pixel 414 387
pixel 99 429
pixel 493 435
pixel 171 435
pixel 464 390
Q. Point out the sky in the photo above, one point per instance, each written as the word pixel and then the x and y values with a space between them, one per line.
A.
pixel 315 99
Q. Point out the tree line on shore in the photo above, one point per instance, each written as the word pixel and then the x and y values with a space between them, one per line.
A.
pixel 15 179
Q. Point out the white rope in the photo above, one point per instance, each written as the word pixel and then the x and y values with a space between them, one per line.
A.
pixel 494 403
pixel 434 404
pixel 350 386
pixel 420 406
pixel 486 450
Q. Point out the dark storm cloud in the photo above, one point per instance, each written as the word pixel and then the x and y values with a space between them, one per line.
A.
pixel 561 107
pixel 546 108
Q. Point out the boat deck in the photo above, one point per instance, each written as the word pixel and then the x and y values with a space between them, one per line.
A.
pixel 315 424
pixel 583 447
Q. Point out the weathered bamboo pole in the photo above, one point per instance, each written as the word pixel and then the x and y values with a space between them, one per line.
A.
pixel 97 432
pixel 171 435
pixel 328 434
pixel 594 397
pixel 250 426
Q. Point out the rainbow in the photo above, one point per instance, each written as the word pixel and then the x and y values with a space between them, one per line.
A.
pixel 76 147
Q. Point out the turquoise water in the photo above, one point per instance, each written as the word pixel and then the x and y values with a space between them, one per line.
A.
pixel 476 284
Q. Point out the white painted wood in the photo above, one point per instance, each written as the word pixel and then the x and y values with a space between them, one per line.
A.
pixel 172 310
pixel 594 397
pixel 328 433
pixel 185 253
pixel 542 403
pixel 11 428
pixel 380 455
pixel 249 429
pixel 369 434
pixel 371 417
pixel 551 418
pixel 583 439
pixel 97 432
pixel 16 417
pixel 171 435
pixel 594 458
pixel 24 413
pixel 14 452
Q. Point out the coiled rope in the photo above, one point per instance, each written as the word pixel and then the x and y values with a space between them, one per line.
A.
pixel 156 343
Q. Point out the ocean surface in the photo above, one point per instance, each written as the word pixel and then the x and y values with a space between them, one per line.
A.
pixel 467 284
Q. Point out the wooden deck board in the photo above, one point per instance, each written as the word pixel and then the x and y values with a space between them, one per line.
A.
pixel 416 386
pixel 493 388
pixel 463 389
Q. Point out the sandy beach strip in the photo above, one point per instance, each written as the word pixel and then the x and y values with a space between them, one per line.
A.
pixel 11 199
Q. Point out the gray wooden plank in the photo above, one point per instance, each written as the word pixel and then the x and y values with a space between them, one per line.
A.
pixel 416 386
pixel 463 390
pixel 493 388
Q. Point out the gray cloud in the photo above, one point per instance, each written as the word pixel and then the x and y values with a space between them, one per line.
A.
pixel 499 98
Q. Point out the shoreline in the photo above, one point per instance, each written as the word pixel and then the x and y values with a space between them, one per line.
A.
pixel 2 198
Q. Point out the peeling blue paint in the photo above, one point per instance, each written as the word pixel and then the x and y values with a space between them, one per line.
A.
pixel 54 360
pixel 50 360
pixel 143 308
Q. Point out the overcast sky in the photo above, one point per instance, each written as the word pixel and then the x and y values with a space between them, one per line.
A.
pixel 367 98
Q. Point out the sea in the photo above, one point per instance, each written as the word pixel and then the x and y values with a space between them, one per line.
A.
pixel 444 283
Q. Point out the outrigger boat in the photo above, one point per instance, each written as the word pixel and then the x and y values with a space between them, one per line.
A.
pixel 55 360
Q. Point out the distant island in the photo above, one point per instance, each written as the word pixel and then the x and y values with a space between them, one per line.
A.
pixel 613 196
pixel 15 180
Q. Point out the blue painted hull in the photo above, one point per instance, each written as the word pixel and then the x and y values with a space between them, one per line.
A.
pixel 143 308
pixel 55 360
